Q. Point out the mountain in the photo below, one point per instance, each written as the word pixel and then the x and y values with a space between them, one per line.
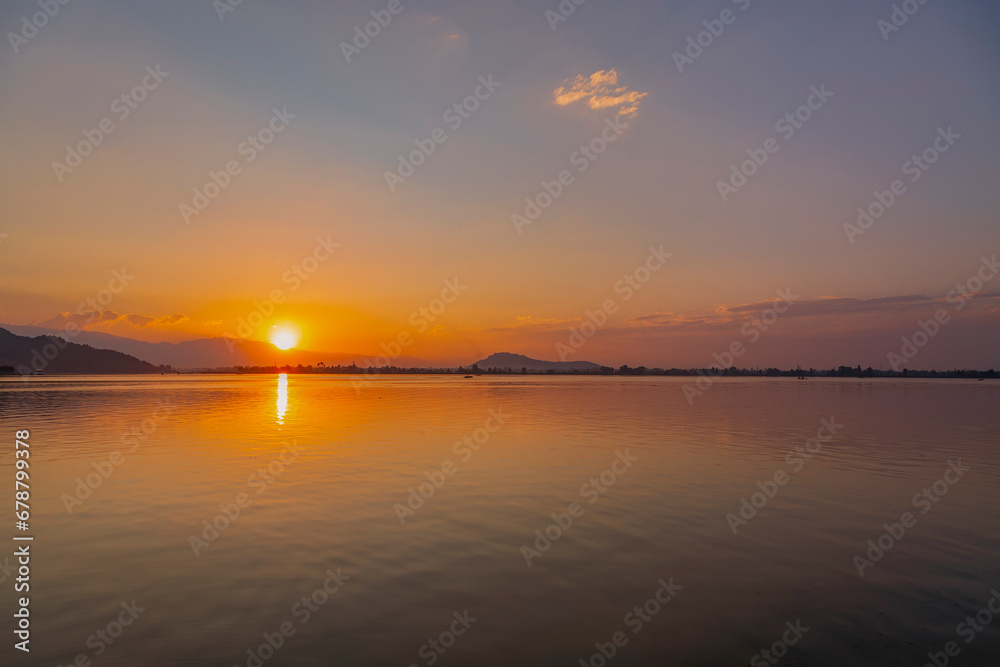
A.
pixel 54 355
pixel 212 352
pixel 518 361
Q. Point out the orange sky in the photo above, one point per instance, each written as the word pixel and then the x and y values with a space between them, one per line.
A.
pixel 654 185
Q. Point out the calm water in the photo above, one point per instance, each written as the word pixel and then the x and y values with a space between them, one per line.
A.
pixel 359 450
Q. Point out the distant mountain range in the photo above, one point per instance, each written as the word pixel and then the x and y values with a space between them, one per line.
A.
pixel 25 348
pixel 205 353
pixel 89 353
pixel 518 361
pixel 54 355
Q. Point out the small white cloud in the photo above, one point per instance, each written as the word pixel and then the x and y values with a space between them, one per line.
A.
pixel 600 91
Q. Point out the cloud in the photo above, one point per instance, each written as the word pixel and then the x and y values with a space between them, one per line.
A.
pixel 170 320
pixel 600 91
pixel 823 307
pixel 811 318
pixel 529 322
pixel 89 320
pixel 432 39
pixel 449 37
pixel 161 322
pixel 843 305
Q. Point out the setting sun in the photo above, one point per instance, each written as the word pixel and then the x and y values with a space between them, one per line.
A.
pixel 283 339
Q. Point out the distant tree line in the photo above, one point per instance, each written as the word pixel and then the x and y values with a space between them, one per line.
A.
pixel 733 371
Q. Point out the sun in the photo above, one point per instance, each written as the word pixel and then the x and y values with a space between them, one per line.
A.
pixel 283 339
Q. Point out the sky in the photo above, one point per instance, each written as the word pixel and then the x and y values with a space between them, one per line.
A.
pixel 626 123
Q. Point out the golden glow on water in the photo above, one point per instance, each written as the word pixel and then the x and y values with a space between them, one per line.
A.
pixel 282 397
pixel 363 448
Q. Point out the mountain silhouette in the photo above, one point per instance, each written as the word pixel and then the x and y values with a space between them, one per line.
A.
pixel 52 354
pixel 516 362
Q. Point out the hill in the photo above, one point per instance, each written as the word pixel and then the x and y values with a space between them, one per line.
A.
pixel 54 355
pixel 518 361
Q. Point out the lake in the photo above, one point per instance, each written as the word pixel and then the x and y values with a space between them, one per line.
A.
pixel 506 520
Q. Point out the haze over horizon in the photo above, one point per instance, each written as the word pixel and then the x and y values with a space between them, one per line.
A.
pixel 640 242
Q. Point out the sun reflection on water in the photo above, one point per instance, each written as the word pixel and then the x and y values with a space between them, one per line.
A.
pixel 282 397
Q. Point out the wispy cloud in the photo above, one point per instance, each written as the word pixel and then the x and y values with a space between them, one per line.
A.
pixel 528 322
pixel 600 91
pixel 90 320
pixel 440 36
pixel 837 307
pixel 163 321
